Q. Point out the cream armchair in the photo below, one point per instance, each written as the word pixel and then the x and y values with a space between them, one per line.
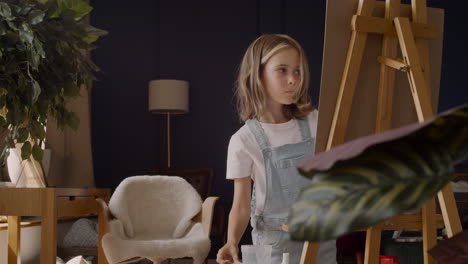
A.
pixel 157 218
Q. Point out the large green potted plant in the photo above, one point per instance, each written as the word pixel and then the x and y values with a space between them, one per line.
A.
pixel 43 66
pixel 370 179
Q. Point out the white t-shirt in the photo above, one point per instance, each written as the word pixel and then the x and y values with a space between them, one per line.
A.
pixel 245 157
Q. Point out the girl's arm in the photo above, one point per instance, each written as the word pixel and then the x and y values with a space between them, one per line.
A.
pixel 238 221
pixel 240 212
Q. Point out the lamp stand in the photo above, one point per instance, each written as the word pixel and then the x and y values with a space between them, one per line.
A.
pixel 168 139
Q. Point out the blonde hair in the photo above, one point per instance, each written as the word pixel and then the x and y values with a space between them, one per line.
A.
pixel 250 93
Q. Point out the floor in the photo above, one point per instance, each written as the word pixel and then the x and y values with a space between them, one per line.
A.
pixel 180 261
pixel 188 261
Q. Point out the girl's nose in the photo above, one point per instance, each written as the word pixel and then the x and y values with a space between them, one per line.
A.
pixel 292 80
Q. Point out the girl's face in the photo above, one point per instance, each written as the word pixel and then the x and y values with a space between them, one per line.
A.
pixel 281 76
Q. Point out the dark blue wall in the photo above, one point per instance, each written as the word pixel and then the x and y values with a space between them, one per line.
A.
pixel 203 42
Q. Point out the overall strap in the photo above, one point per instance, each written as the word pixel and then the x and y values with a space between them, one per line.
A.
pixel 304 127
pixel 258 132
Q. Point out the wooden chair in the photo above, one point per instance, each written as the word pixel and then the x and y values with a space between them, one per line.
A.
pixel 204 216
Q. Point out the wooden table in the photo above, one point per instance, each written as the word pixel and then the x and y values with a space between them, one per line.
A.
pixel 50 204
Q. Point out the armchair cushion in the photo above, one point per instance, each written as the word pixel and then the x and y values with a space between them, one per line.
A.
pixel 194 244
pixel 146 206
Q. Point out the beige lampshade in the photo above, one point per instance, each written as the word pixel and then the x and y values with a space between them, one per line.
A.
pixel 168 96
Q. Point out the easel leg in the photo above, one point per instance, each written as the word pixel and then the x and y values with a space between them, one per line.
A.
pixel 348 82
pixel 309 253
pixel 372 251
pixel 421 97
pixel 409 50
pixel 449 211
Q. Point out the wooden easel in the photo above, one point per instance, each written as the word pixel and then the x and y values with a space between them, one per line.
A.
pixel 413 39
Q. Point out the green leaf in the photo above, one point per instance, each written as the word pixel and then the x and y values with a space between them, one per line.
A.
pixel 2 122
pixel 15 115
pixel 5 10
pixel 60 47
pixel 68 18
pixel 36 91
pixel 37 152
pixel 35 59
pixel 38 48
pixel 12 25
pixel 23 10
pixel 364 191
pixel 2 101
pixel 89 83
pixel 42 106
pixel 26 27
pixel 11 67
pixel 26 34
pixel 93 33
pixel 71 89
pixel 80 8
pixel 73 120
pixel 36 17
pixel 37 130
pixel 26 150
pixel 15 9
pixel 2 29
pixel 37 54
pixel 384 180
pixel 23 135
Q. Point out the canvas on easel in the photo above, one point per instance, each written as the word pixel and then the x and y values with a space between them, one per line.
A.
pixel 352 103
pixel 363 113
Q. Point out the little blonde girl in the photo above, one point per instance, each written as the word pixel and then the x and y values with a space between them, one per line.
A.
pixel 280 128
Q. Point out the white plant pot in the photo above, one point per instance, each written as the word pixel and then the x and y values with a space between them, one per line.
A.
pixel 16 167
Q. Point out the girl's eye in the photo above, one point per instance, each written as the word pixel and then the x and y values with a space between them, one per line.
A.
pixel 282 70
pixel 297 72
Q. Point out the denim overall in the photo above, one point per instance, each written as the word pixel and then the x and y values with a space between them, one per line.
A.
pixel 283 186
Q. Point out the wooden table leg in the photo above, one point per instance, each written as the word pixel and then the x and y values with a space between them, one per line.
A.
pixel 49 227
pixel 429 230
pixel 372 251
pixel 101 231
pixel 14 238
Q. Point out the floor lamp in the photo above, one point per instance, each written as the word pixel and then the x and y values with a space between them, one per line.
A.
pixel 168 97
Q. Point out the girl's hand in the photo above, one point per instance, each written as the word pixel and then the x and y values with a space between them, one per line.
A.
pixel 229 253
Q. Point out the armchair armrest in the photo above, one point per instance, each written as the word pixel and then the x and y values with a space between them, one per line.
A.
pixel 103 219
pixel 205 217
pixel 105 213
